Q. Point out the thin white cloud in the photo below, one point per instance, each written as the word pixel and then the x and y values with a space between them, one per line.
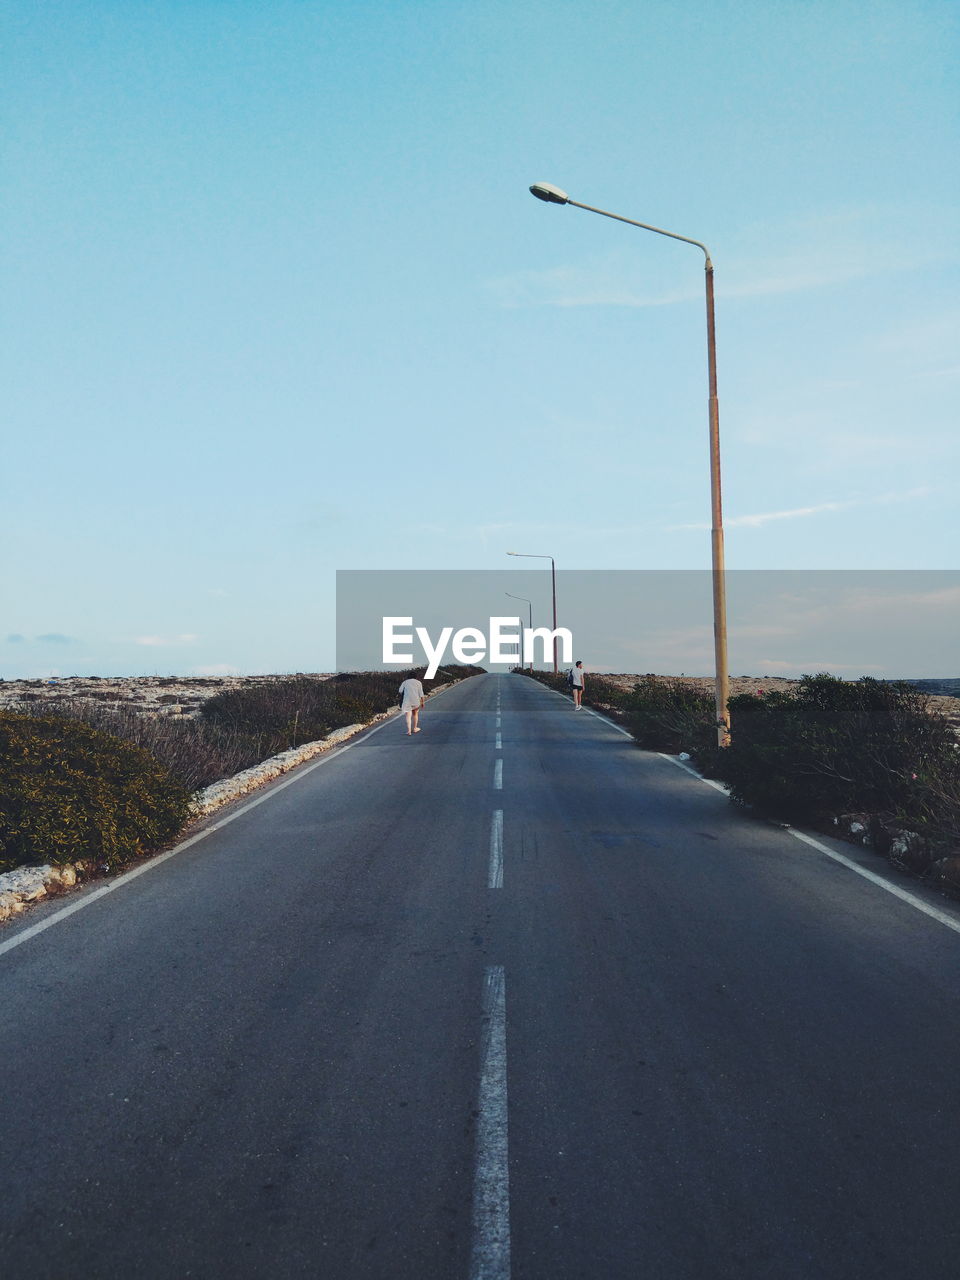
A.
pixel 831 249
pixel 864 609
pixel 918 337
pixel 165 642
pixel 758 631
pixel 951 371
pixel 216 669
pixel 758 519
pixel 602 284
pixel 607 286
pixel 812 666
pixel 50 637
pixel 515 531
pixel 792 513
pixel 830 443
pixel 939 599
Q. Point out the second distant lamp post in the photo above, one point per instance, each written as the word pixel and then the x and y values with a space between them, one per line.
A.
pixel 553 581
pixel 553 195
pixel 529 603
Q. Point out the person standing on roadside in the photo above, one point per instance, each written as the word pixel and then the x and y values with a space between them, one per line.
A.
pixel 411 701
pixel 577 684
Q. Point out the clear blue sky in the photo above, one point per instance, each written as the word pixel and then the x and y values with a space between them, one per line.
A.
pixel 277 302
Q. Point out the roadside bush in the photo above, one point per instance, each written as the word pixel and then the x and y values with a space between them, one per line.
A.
pixel 68 789
pixel 556 682
pixel 283 714
pixel 239 732
pixel 599 692
pixel 195 753
pixel 836 747
pixel 606 696
pixel 672 717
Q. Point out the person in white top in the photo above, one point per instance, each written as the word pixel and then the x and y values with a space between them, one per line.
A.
pixel 411 700
pixel 577 683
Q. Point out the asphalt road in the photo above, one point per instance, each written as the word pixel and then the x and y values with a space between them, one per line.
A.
pixel 368 1028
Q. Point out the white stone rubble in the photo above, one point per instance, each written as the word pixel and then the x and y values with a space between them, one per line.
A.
pixel 29 884
pixel 220 793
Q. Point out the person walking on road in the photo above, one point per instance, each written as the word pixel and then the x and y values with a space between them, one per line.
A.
pixel 411 700
pixel 577 684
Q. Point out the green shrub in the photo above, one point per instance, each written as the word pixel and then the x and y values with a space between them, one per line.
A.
pixel 837 747
pixel 194 752
pixel 557 682
pixel 282 714
pixel 238 732
pixel 68 790
pixel 598 691
pixel 606 696
pixel 669 716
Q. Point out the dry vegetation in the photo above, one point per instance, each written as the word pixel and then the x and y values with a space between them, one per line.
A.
pixel 946 706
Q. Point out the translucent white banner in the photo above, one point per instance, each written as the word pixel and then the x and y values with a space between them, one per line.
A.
pixel 897 624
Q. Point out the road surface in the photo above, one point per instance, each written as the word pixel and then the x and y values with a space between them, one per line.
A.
pixel 507 998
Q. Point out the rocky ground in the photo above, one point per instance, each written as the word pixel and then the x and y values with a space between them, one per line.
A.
pixel 175 696
pixel 738 684
pixel 182 696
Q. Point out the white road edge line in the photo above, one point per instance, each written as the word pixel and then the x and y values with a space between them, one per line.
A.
pixel 903 894
pixel 498 775
pixel 711 782
pixel 490 1252
pixel 606 720
pixel 495 878
pixel 598 715
pixel 295 776
pixel 934 912
pixel 941 916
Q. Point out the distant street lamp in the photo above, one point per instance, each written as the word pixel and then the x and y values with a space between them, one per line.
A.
pixel 553 578
pixel 553 195
pixel 530 603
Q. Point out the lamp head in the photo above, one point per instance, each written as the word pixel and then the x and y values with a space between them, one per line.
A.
pixel 547 191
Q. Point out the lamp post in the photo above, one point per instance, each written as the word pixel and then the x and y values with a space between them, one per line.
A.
pixel 553 579
pixel 553 195
pixel 530 604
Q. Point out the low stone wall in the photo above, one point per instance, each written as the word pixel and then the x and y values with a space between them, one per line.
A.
pixel 240 784
pixel 23 885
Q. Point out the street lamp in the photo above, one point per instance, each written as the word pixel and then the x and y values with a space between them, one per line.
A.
pixel 530 603
pixel 553 195
pixel 553 578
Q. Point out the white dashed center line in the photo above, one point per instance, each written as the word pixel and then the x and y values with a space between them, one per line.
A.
pixel 490 1255
pixel 495 879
